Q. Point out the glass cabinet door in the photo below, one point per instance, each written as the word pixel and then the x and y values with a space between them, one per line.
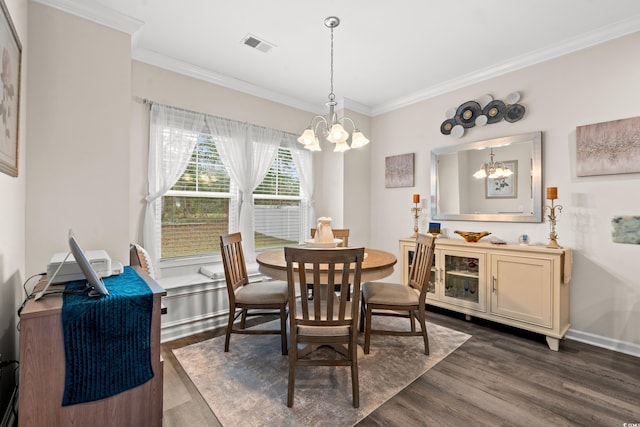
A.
pixel 463 279
pixel 431 289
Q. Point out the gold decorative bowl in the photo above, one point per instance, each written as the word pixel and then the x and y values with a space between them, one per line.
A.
pixel 472 236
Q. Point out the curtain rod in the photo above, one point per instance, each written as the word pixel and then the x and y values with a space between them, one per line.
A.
pixel 149 102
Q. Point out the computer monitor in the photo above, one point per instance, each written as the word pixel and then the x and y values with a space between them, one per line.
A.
pixel 95 284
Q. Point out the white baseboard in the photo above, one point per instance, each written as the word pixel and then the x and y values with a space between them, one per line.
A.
pixel 604 342
pixel 185 327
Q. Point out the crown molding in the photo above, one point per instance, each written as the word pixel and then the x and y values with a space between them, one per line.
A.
pixel 96 13
pixel 601 35
pixel 190 70
pixel 356 107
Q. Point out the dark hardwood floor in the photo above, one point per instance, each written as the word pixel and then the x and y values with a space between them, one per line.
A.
pixel 500 376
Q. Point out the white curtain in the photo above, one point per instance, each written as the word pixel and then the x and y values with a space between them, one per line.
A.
pixel 303 159
pixel 173 134
pixel 247 151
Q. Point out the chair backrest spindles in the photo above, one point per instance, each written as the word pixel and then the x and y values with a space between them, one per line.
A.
pixel 422 261
pixel 235 268
pixel 330 272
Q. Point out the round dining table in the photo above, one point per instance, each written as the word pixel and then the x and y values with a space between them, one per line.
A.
pixel 377 264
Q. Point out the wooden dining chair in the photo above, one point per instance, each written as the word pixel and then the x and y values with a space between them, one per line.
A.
pixel 245 296
pixel 338 233
pixel 329 318
pixel 138 256
pixel 394 299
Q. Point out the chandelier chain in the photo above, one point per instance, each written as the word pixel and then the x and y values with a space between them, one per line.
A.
pixel 331 94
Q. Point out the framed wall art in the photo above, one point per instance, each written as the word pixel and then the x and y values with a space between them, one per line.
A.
pixel 608 148
pixel 399 171
pixel 11 51
pixel 503 188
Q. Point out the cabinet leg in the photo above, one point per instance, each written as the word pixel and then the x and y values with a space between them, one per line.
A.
pixel 553 343
pixel 467 317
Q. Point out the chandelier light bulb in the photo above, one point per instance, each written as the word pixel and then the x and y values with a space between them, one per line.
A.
pixel 493 170
pixel 307 137
pixel 480 173
pixel 341 146
pixel 358 140
pixel 314 146
pixel 337 134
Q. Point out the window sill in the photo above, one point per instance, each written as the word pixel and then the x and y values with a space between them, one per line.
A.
pixel 216 271
pixel 210 273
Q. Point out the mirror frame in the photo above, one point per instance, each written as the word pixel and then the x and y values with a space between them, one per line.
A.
pixel 536 181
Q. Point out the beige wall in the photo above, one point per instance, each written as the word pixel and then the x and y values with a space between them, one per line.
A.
pixel 591 86
pixel 79 124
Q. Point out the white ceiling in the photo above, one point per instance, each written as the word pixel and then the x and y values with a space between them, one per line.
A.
pixel 387 53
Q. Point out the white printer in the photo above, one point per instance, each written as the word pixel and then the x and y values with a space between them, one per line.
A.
pixel 70 270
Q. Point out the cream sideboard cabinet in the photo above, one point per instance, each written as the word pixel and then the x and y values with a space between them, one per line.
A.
pixel 526 287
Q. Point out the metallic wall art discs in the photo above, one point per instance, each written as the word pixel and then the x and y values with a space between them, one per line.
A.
pixel 467 113
pixel 494 111
pixel 483 111
pixel 514 113
pixel 457 131
pixel 446 126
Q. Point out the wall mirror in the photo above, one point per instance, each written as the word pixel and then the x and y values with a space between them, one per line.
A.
pixel 461 191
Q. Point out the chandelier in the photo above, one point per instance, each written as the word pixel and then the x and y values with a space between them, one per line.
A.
pixel 493 170
pixel 332 126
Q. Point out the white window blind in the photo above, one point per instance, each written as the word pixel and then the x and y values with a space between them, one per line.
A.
pixel 197 209
pixel 278 204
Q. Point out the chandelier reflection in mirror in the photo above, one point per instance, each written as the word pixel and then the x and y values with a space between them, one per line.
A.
pixel 332 127
pixel 493 170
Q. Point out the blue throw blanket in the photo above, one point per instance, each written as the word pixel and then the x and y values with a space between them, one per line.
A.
pixel 107 338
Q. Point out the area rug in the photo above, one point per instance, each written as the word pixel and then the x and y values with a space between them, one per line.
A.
pixel 248 385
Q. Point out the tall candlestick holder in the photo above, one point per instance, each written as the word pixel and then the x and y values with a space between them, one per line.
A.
pixel 553 236
pixel 416 215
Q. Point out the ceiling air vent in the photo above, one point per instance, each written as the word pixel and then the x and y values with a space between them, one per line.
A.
pixel 256 43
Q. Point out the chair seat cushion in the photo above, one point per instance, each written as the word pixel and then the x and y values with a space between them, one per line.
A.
pixel 262 293
pixel 389 294
pixel 323 330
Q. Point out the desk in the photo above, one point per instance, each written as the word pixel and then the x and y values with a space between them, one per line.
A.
pixel 42 373
pixel 376 265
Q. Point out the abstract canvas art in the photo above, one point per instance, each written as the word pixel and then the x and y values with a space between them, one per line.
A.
pixel 399 171
pixel 608 148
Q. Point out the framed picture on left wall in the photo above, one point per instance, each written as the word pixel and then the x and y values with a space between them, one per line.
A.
pixel 11 56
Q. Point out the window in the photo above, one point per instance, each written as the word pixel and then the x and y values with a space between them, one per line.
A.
pixel 278 204
pixel 204 203
pixel 197 209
